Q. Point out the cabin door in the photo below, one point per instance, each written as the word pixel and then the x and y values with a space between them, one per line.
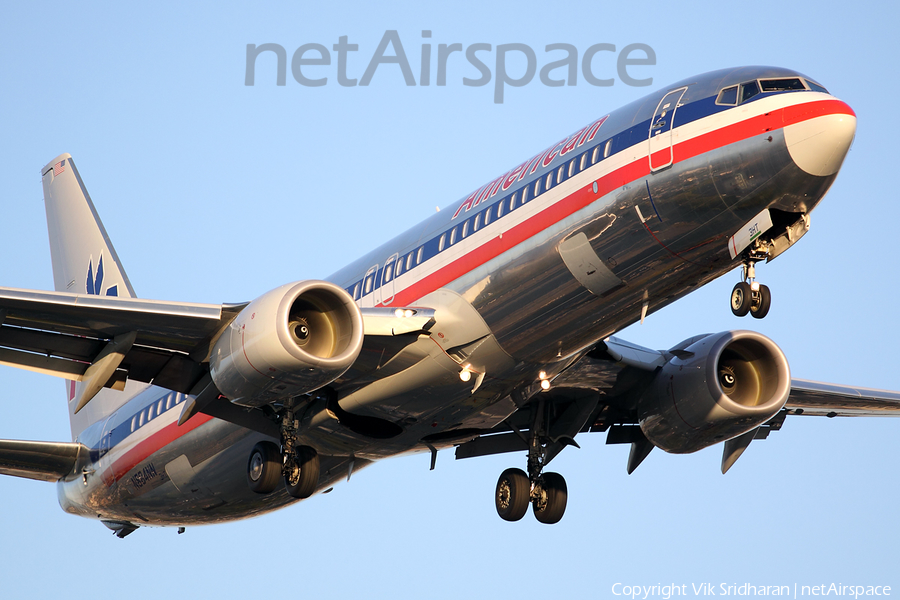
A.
pixel 660 140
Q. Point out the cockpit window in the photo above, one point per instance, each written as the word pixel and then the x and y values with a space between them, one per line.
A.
pixel 781 85
pixel 728 96
pixel 815 86
pixel 748 90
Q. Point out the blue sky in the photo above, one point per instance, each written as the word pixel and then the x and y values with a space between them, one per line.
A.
pixel 213 191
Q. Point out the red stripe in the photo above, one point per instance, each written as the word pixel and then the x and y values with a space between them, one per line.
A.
pixel 151 444
pixel 624 175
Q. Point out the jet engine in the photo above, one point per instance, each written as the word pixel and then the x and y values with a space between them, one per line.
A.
pixel 718 387
pixel 290 341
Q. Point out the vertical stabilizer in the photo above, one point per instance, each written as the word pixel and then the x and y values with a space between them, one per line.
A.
pixel 84 262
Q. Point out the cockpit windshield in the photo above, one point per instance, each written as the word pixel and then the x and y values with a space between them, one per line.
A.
pixel 781 85
pixel 738 94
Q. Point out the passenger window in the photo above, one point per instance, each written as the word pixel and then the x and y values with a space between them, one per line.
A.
pixel 571 167
pixel 596 154
pixel 442 242
pixel 728 96
pixel 500 209
pixel 559 174
pixel 368 287
pixel 477 223
pixel 525 194
pixel 388 272
pixel 453 236
pixel 487 214
pixel 134 423
pixel 607 148
pixel 419 255
pixel 141 418
pixel 537 189
pixel 399 267
pixel 748 90
pixel 170 400
pixel 356 291
pixel 583 162
pixel 549 182
pixel 409 260
pixel 465 230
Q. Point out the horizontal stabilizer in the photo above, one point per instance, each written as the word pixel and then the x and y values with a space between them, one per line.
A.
pixel 44 461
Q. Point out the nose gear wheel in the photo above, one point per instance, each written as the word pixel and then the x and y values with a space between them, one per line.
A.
pixel 749 296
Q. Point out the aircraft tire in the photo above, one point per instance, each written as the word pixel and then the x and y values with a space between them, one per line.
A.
pixel 264 468
pixel 305 478
pixel 512 494
pixel 741 299
pixel 765 302
pixel 553 506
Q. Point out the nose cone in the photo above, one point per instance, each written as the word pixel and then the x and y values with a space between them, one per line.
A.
pixel 819 145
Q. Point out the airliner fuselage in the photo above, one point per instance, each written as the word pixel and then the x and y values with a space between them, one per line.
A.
pixel 525 275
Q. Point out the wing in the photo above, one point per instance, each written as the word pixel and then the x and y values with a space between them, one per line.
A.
pixel 604 389
pixel 831 400
pixel 164 343
pixel 63 334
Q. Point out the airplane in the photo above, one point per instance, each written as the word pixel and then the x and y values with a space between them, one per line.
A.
pixel 488 328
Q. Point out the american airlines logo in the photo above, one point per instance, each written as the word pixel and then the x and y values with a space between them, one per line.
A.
pixel 94 282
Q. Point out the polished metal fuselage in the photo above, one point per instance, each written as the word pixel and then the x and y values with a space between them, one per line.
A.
pixel 510 313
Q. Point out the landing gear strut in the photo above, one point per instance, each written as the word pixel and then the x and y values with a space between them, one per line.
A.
pixel 296 464
pixel 546 492
pixel 749 296
pixel 300 468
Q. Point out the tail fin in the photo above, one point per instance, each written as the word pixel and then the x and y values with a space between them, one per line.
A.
pixel 84 262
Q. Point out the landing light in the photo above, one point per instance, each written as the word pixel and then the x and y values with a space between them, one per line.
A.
pixel 465 374
pixel 545 383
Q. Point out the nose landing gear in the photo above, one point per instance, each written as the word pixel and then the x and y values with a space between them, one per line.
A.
pixel 749 296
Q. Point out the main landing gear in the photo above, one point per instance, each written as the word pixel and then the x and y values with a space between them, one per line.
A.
pixel 296 464
pixel 749 296
pixel 546 492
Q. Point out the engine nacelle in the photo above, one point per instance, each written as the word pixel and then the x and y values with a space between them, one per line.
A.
pixel 290 341
pixel 719 387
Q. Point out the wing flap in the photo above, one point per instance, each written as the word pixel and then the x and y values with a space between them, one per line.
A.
pixel 43 461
